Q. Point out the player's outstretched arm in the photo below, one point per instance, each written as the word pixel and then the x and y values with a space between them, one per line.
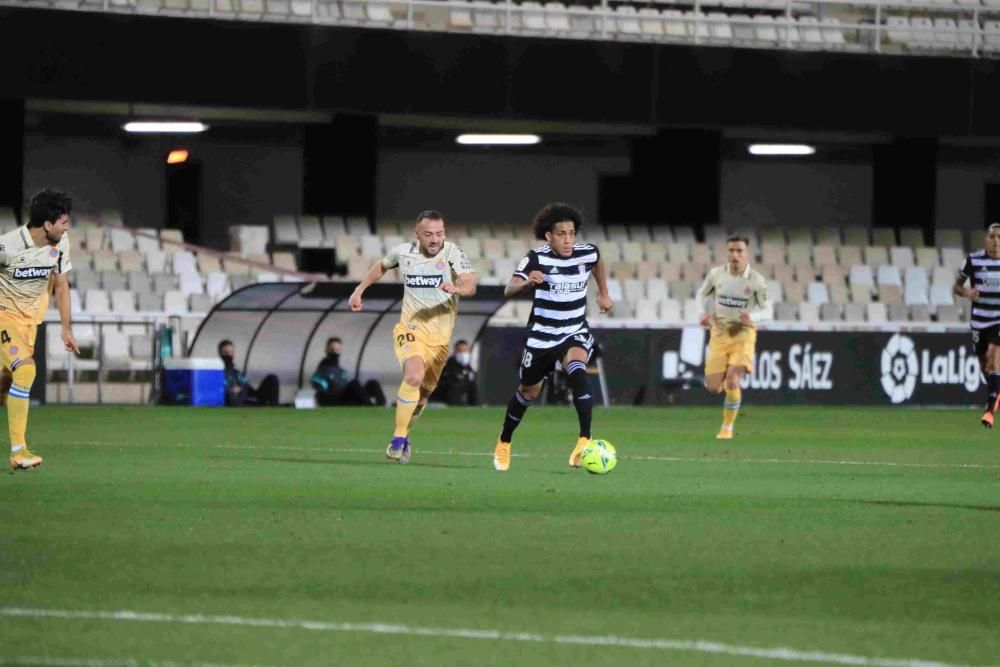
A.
pixel 518 284
pixel 465 285
pixel 65 308
pixel 604 301
pixel 374 275
pixel 959 289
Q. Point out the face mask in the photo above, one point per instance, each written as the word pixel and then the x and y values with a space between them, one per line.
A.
pixel 463 358
pixel 227 359
pixel 333 358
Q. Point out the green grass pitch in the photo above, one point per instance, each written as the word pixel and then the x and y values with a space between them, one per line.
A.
pixel 281 537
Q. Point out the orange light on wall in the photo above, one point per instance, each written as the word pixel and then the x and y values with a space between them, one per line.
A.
pixel 177 157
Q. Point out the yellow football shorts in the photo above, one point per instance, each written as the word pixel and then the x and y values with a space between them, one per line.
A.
pixel 409 343
pixel 17 341
pixel 725 349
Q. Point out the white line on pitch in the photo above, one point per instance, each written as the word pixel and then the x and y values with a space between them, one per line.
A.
pixel 668 459
pixel 685 645
pixel 52 661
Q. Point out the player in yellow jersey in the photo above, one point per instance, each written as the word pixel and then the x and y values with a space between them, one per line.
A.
pixel 28 256
pixel 435 273
pixel 740 299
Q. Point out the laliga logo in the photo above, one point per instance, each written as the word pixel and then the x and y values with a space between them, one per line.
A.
pixel 899 368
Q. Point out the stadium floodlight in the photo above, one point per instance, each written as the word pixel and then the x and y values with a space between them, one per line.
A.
pixel 498 139
pixel 164 127
pixel 781 149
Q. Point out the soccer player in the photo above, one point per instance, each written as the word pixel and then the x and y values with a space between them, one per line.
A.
pixel 982 270
pixel 28 255
pixel 558 273
pixel 739 296
pixel 435 273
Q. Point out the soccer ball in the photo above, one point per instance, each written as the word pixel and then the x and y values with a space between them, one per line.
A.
pixel 599 457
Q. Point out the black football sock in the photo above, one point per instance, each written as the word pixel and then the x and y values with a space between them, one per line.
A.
pixel 515 413
pixel 580 383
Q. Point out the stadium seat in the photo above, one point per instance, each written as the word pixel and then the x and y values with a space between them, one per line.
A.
pixel 693 272
pixel 890 293
pixel 877 313
pixel 646 309
pixel 831 312
pixel 808 312
pixel 651 22
pixel 286 232
pixel 824 255
pixel 311 232
pixel 856 235
pixel 623 270
pixel 656 251
pixel 139 282
pixel 775 291
pixel 674 23
pixel 191 283
pixel 557 17
pixel 201 303
pixel 634 290
pixel 459 18
pixel 683 234
pixel 122 301
pixel 95 302
pixel 371 247
pixel 941 295
pixel 920 313
pixel 912 237
pixel 175 302
pixel 184 262
pixel 632 251
pixel 794 291
pixel 743 27
pixel 785 312
pixel 150 302
pixel 104 260
pixel 854 312
pixel 943 276
pixel 112 280
pixel 217 285
pixel 901 256
pixel 833 33
pixel 156 261
pixel 670 311
pixel 208 263
pixel 811 34
pixel 888 275
pixel 849 255
pixel 898 312
pixel 949 314
pixel 952 258
pixel 656 289
pixel 485 16
pixel 915 294
pixel 164 282
pixel 876 256
pixel 84 279
pixel 719 27
pixel 817 293
pixel 927 258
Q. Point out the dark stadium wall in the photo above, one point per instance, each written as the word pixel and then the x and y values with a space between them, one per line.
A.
pixel 961 188
pixel 244 182
pixel 483 187
pixel 757 193
pixel 89 56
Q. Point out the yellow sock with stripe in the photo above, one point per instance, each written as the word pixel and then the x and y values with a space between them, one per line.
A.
pixel 18 401
pixel 406 403
pixel 730 407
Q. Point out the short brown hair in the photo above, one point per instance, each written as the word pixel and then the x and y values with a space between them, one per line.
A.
pixel 737 237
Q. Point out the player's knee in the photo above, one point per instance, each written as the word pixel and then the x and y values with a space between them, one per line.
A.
pixel 714 385
pixel 733 381
pixel 530 393
pixel 23 373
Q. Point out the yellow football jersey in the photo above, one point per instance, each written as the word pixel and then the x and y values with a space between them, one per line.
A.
pixel 733 294
pixel 24 274
pixel 426 307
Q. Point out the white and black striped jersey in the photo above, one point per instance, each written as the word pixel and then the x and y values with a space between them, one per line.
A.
pixel 983 274
pixel 560 303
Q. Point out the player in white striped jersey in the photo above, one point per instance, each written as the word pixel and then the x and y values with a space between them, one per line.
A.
pixel 982 271
pixel 557 329
pixel 740 300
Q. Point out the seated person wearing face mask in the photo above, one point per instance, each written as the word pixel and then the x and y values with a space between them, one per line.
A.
pixel 334 385
pixel 458 380
pixel 239 392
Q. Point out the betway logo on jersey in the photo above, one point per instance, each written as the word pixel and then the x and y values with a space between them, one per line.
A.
pixel 733 301
pixel 422 281
pixel 31 272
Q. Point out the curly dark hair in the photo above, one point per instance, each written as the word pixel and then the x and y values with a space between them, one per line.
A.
pixel 48 206
pixel 547 218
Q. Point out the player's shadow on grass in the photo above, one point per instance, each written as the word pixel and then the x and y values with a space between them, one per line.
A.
pixel 339 462
pixel 907 503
